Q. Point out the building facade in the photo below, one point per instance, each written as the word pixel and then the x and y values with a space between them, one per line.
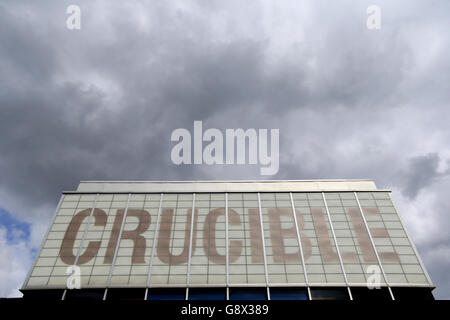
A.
pixel 228 240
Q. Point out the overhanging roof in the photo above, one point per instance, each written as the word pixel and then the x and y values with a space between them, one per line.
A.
pixel 227 186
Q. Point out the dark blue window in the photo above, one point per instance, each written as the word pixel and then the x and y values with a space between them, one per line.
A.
pixel 125 294
pixel 412 294
pixel 363 293
pixel 49 294
pixel 87 294
pixel 329 294
pixel 207 294
pixel 166 294
pixel 288 294
pixel 248 294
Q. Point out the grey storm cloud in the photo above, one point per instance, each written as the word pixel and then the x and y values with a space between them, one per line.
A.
pixel 421 173
pixel 100 103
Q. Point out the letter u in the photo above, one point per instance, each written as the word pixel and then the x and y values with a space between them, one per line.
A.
pixel 165 234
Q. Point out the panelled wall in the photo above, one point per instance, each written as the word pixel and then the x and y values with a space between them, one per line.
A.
pixel 228 239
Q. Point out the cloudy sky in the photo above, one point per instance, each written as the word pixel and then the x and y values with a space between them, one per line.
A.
pixel 100 103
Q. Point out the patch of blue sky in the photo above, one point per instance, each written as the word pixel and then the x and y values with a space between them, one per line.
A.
pixel 16 230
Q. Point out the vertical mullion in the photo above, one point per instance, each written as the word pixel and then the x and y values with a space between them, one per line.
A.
pixel 300 245
pixel 337 246
pixel 374 247
pixel 155 235
pixel 227 281
pixel 263 246
pixel 117 247
pixel 83 238
pixel 190 245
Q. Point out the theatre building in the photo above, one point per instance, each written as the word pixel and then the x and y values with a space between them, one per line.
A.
pixel 227 240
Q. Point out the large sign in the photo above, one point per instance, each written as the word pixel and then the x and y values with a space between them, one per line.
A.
pixel 178 239
pixel 325 242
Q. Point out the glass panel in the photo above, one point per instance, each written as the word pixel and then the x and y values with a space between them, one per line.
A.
pixel 207 293
pixel 248 294
pixel 209 258
pixel 362 293
pixel 246 261
pixel 351 235
pixel 103 232
pixel 329 294
pixel 132 244
pixel 47 294
pixel 394 248
pixel 172 249
pixel 284 263
pixel 319 249
pixel 409 294
pixel 166 294
pixel 85 294
pixel 125 294
pixel 66 235
pixel 358 254
pixel 288 293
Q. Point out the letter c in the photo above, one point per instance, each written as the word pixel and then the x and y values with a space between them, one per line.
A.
pixel 66 250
